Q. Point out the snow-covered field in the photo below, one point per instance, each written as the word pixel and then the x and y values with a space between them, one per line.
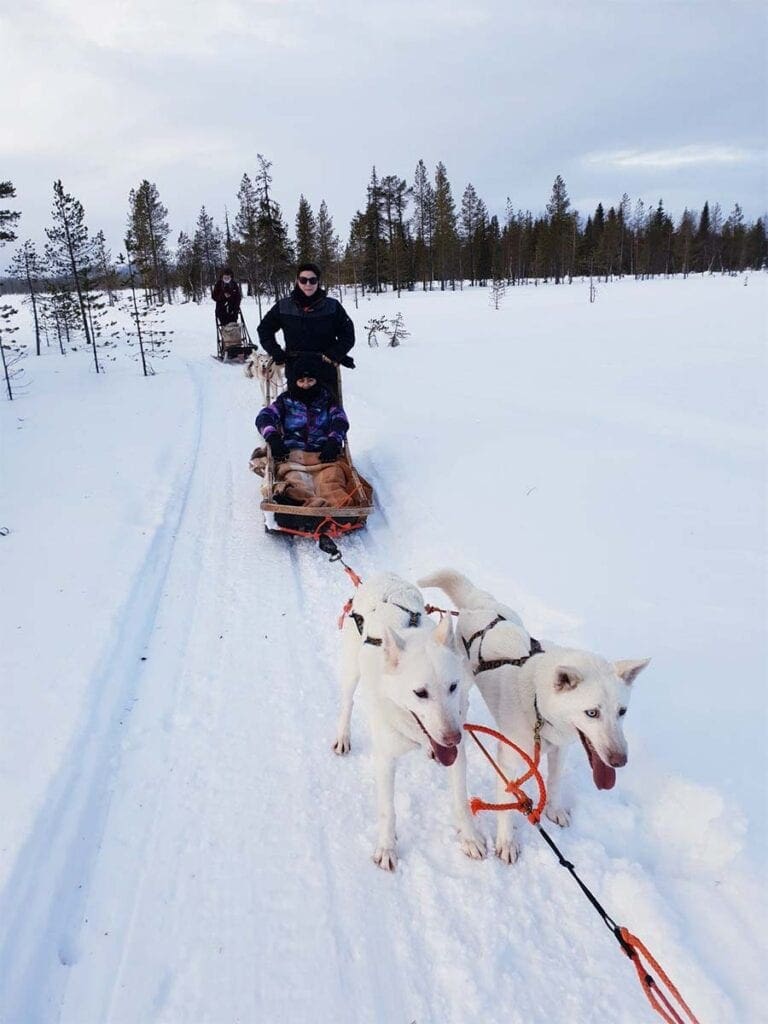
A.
pixel 178 842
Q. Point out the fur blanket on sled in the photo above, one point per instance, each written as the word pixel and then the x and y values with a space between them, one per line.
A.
pixel 304 480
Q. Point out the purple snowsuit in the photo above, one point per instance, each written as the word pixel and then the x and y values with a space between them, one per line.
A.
pixel 304 426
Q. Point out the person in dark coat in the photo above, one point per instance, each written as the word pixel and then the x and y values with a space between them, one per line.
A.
pixel 306 416
pixel 227 294
pixel 311 321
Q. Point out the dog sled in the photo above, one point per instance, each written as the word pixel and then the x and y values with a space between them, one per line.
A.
pixel 307 498
pixel 233 342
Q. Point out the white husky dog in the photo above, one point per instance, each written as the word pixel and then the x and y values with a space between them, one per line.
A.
pixel 264 368
pixel 570 693
pixel 418 684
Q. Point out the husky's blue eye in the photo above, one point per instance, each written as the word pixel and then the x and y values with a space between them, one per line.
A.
pixel 593 713
pixel 421 694
pixel 452 687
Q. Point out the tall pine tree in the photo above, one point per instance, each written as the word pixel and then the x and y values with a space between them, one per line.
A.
pixel 275 253
pixel 69 254
pixel 423 226
pixel 445 235
pixel 148 233
pixel 27 267
pixel 306 232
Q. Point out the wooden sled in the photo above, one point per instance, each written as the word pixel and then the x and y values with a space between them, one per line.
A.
pixel 233 346
pixel 313 521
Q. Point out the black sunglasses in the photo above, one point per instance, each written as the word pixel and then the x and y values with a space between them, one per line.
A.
pixel 307 280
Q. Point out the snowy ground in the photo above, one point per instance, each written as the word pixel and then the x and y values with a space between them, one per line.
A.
pixel 179 844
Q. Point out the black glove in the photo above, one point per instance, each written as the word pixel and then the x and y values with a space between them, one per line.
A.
pixel 280 357
pixel 330 450
pixel 347 361
pixel 278 447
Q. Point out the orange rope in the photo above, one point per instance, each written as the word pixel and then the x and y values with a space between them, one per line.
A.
pixel 523 802
pixel 653 992
pixel 345 612
pixel 334 529
pixel 638 953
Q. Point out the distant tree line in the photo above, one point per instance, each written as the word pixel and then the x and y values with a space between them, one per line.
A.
pixel 414 236
pixel 405 236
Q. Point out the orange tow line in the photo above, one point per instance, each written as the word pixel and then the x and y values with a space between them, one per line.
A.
pixel 659 991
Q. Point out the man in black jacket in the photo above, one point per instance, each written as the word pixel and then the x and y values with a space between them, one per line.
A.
pixel 311 321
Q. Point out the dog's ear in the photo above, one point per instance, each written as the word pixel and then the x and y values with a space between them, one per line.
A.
pixel 393 645
pixel 630 670
pixel 567 678
pixel 444 634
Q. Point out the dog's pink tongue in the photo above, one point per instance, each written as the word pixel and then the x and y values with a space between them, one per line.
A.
pixel 603 774
pixel 445 755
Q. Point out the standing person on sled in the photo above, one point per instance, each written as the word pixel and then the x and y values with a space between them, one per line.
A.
pixel 305 417
pixel 227 294
pixel 311 321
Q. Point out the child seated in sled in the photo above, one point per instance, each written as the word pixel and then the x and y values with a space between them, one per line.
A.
pixel 305 428
pixel 305 417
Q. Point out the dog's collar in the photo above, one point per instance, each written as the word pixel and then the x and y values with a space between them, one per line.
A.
pixel 541 721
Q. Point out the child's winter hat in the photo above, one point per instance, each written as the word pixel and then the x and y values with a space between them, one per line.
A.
pixel 306 364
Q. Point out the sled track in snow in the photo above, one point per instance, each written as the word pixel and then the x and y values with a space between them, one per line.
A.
pixel 43 902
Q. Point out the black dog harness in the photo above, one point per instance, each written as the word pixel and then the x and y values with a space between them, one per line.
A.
pixel 486 666
pixel 414 621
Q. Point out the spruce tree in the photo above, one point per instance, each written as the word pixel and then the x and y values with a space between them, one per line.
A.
pixel 327 242
pixel 703 240
pixel 26 266
pixel 209 246
pixel 394 200
pixel 560 229
pixel 147 330
pixel 625 238
pixel 423 225
pixel 306 232
pixel 188 267
pixel 354 254
pixel 7 217
pixel 756 247
pixel 684 237
pixel 104 267
pixel 275 253
pixel 735 239
pixel 69 253
pixel 10 354
pixel 373 267
pixel 148 230
pixel 247 231
pixel 445 235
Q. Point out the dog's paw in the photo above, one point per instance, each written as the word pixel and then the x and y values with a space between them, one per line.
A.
pixel 472 844
pixel 385 858
pixel 507 850
pixel 560 815
pixel 343 744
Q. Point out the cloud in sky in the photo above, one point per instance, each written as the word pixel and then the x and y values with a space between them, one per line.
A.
pixel 668 96
pixel 671 159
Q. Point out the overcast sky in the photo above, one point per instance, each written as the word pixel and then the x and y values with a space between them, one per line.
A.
pixel 658 99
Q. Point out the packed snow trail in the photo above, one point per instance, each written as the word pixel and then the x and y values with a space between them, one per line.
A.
pixel 202 856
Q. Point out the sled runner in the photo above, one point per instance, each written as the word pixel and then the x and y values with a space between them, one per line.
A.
pixel 349 499
pixel 233 342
